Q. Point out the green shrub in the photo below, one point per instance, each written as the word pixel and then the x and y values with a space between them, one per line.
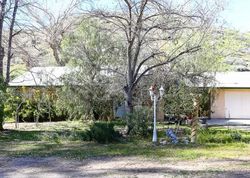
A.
pixel 222 136
pixel 236 136
pixel 138 123
pixel 32 104
pixel 85 136
pixel 102 132
pixel 246 138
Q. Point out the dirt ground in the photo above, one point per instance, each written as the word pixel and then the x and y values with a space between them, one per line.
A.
pixel 53 167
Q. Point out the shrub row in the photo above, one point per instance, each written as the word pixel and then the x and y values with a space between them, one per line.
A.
pixel 32 105
pixel 222 136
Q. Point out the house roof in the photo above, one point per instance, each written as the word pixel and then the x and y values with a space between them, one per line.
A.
pixel 52 76
pixel 41 76
pixel 232 80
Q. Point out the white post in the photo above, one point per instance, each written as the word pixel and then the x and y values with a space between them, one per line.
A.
pixel 155 98
pixel 155 131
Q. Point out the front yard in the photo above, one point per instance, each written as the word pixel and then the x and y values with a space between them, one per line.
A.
pixel 53 149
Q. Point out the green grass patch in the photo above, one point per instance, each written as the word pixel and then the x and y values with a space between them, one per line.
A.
pixel 82 150
pixel 66 140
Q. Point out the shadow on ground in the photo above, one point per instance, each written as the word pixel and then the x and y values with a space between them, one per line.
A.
pixel 112 167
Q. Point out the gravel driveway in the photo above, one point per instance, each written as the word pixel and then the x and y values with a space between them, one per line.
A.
pixel 53 167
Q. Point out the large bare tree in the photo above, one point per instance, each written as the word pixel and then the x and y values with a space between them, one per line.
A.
pixel 156 33
pixel 51 25
pixel 11 35
pixel 8 11
pixel 2 17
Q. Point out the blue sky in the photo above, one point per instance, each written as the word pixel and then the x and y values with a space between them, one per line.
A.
pixel 236 14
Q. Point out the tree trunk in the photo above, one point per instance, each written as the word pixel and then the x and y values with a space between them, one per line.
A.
pixel 56 54
pixel 195 123
pixel 11 35
pixel 2 85
pixel 128 101
pixel 2 15
pixel 194 128
pixel 128 108
pixel 1 116
pixel 1 62
pixel 2 92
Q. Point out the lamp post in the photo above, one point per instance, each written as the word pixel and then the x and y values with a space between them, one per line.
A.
pixel 155 97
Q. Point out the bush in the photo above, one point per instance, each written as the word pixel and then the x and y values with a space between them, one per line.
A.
pixel 222 136
pixel 32 104
pixel 245 138
pixel 236 136
pixel 103 132
pixel 138 123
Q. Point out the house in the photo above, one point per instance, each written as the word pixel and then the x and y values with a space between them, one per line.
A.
pixel 231 98
pixel 46 80
pixel 44 77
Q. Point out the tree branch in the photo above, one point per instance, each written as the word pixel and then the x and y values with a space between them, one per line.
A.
pixel 191 50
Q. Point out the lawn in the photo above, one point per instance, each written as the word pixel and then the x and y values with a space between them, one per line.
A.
pixel 63 139
pixel 58 150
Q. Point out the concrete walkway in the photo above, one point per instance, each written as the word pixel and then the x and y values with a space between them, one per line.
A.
pixel 228 122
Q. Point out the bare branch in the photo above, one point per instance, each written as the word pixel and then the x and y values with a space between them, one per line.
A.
pixel 191 50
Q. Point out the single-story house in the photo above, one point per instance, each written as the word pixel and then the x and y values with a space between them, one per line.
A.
pixel 44 78
pixel 231 96
pixel 231 99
